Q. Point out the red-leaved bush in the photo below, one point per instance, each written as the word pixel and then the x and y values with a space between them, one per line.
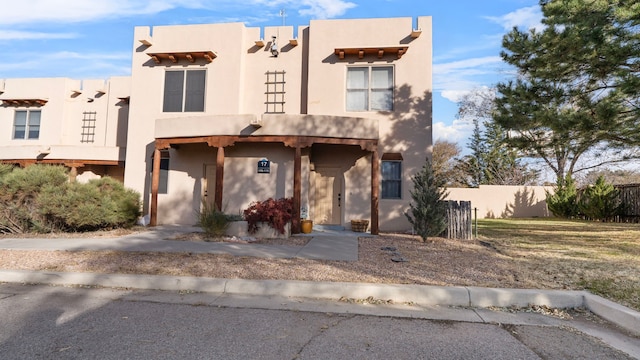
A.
pixel 277 213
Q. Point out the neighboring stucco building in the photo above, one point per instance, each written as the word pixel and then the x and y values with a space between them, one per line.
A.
pixel 79 124
pixel 336 115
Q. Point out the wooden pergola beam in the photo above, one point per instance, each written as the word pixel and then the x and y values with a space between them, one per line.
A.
pixel 375 192
pixel 380 52
pixel 297 190
pixel 219 177
pixel 155 184
pixel 175 57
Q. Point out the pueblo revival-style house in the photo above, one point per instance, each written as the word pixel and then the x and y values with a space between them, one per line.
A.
pixel 336 115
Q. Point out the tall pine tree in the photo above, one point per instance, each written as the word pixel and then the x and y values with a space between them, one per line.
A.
pixel 578 83
pixel 428 211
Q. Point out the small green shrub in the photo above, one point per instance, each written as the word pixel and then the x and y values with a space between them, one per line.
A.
pixel 428 211
pixel 277 213
pixel 600 201
pixel 99 204
pixel 19 193
pixel 213 221
pixel 563 202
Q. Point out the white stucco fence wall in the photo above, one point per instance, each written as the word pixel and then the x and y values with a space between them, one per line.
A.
pixel 498 201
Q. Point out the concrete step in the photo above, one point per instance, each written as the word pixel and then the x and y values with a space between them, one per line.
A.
pixel 328 227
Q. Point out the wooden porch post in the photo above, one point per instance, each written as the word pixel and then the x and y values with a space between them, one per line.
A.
pixel 73 174
pixel 297 190
pixel 155 183
pixel 375 191
pixel 219 177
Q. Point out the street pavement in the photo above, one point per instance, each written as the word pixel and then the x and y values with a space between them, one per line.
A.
pixel 46 322
pixel 454 305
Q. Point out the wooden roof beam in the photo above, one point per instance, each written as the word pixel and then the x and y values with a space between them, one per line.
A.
pixel 23 102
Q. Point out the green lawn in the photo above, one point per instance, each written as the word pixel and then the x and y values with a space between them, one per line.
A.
pixel 603 258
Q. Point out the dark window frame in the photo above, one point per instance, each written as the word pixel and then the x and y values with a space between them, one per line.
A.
pixel 184 90
pixel 391 180
pixel 163 184
pixel 368 89
pixel 29 130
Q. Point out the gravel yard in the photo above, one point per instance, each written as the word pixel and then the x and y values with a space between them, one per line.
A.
pixel 440 262
pixel 535 254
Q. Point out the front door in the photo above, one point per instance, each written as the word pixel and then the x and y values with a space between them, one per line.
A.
pixel 328 196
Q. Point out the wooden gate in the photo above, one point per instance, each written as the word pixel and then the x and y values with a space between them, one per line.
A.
pixel 458 220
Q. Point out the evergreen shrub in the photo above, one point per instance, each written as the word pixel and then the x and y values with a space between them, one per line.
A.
pixel 563 201
pixel 19 196
pixel 428 211
pixel 99 204
pixel 600 201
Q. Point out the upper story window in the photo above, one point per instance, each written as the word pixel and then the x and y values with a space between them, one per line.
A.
pixel 370 88
pixel 26 124
pixel 184 90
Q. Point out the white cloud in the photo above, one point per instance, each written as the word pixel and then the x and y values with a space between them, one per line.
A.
pixel 528 17
pixel 323 9
pixel 466 64
pixel 73 11
pixel 33 35
pixel 454 95
pixel 38 11
pixel 454 79
pixel 69 64
pixel 458 132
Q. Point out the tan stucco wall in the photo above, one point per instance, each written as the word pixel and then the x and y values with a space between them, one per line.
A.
pixel 497 201
pixel 407 129
pixel 315 95
pixel 61 118
pixel 243 185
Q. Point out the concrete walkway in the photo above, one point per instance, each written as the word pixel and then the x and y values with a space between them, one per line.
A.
pixel 324 245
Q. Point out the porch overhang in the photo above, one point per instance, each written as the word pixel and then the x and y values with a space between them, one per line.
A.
pixel 296 142
pixel 319 126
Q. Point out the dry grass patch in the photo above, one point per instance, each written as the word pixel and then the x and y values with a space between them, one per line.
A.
pixel 537 254
pixel 603 258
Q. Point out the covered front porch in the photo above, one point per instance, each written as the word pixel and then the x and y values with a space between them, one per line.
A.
pixel 297 145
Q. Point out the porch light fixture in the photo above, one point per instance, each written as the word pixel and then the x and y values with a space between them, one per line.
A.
pixel 274 47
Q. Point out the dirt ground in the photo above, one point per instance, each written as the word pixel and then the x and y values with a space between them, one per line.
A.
pixel 439 262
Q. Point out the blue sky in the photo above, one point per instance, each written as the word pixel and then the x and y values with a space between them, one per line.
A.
pixel 83 39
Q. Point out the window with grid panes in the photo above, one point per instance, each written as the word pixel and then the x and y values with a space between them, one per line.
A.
pixel 369 88
pixel 26 124
pixel 391 179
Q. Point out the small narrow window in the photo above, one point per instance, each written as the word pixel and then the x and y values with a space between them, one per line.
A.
pixel 391 179
pixel 163 184
pixel 26 124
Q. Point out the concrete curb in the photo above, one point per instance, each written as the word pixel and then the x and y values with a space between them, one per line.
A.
pixel 620 315
pixel 425 295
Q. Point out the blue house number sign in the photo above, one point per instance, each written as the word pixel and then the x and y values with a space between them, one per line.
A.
pixel 264 166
